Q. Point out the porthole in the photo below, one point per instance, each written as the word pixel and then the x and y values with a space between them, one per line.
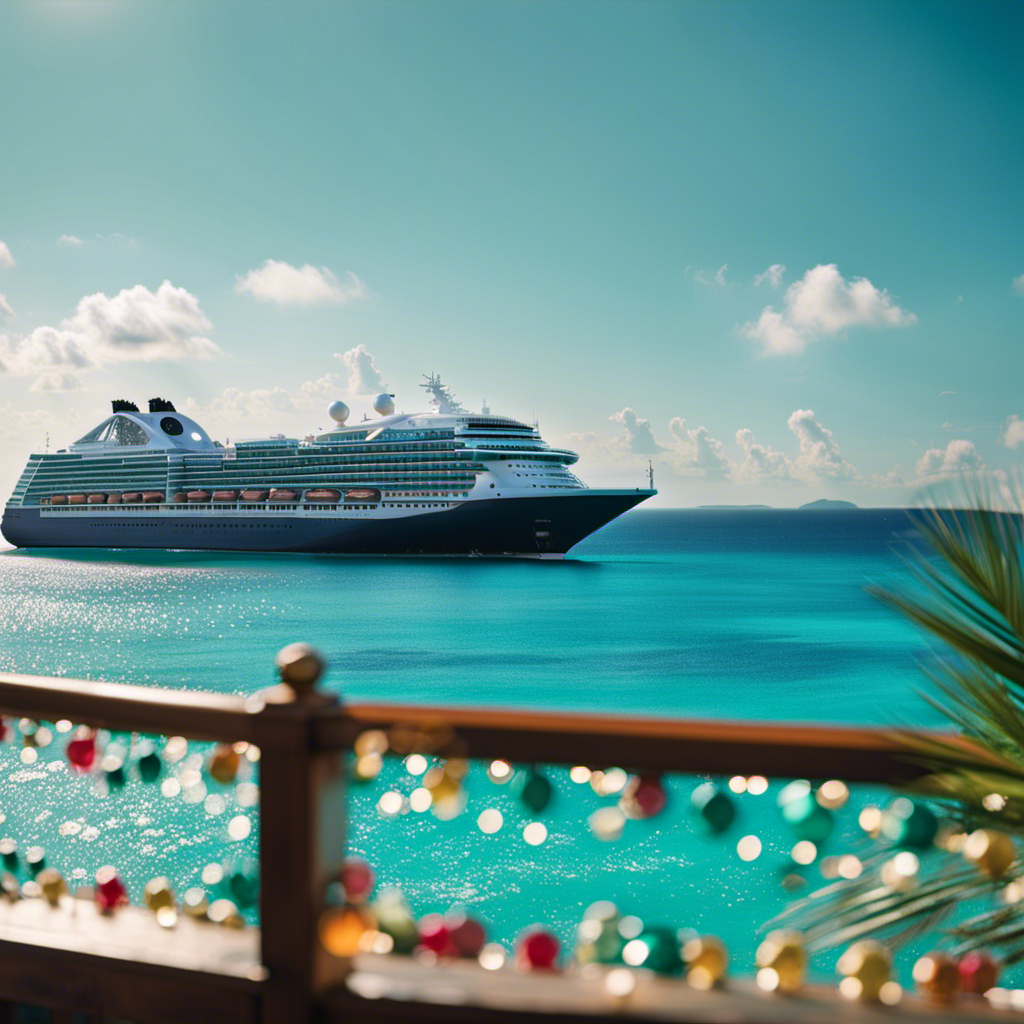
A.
pixel 169 425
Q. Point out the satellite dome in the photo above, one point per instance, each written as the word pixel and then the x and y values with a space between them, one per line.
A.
pixel 338 411
pixel 384 404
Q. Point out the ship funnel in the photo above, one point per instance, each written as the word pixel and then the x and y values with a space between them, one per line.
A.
pixel 123 405
pixel 338 411
pixel 161 405
pixel 384 404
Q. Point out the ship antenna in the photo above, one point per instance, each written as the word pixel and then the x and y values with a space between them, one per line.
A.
pixel 650 474
pixel 442 396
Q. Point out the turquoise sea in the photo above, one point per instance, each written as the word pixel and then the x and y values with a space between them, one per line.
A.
pixel 759 614
pixel 738 614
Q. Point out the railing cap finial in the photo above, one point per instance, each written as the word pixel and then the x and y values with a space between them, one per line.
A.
pixel 301 667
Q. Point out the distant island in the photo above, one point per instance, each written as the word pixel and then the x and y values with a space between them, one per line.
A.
pixel 734 507
pixel 822 504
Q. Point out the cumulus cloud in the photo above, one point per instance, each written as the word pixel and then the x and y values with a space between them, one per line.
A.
pixel 57 380
pixel 260 403
pixel 823 303
pixel 760 462
pixel 134 325
pixel 710 279
pixel 6 259
pixel 277 281
pixel 1018 284
pixel 819 456
pixel 5 306
pixel 363 376
pixel 327 387
pixel 957 457
pixel 69 242
pixel 696 452
pixel 773 275
pixel 1013 432
pixel 639 438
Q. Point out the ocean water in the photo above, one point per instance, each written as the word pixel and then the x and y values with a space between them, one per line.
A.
pixel 753 614
pixel 702 613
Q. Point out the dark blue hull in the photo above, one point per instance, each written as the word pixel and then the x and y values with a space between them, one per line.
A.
pixel 507 526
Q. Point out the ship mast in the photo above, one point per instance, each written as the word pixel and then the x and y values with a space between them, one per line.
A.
pixel 442 396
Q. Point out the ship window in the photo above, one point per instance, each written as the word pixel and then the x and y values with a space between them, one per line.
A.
pixel 170 426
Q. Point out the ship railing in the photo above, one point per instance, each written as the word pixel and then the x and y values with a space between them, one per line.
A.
pixel 83 964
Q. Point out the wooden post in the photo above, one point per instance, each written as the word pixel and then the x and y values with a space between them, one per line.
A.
pixel 301 832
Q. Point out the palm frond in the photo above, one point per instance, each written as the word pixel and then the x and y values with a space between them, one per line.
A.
pixel 967 592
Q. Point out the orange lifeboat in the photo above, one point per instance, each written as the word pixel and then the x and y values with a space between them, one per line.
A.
pixel 362 494
pixel 97 499
pixel 113 499
pixel 152 497
pixel 283 494
pixel 131 497
pixel 252 495
pixel 323 496
pixel 197 496
pixel 180 498
pixel 76 499
pixel 225 495
pixel 58 499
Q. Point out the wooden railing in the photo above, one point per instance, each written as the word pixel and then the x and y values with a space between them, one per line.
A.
pixel 125 967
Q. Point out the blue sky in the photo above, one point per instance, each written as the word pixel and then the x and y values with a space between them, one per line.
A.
pixel 775 247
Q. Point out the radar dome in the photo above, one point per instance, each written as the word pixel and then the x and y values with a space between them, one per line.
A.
pixel 338 411
pixel 384 404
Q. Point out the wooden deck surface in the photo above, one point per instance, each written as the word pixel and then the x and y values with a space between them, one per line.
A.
pixel 132 933
pixel 457 992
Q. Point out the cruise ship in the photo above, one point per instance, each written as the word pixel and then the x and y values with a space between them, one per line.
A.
pixel 441 482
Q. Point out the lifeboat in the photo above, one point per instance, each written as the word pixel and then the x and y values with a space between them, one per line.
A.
pixel 152 497
pixel 198 496
pixel 225 495
pixel 58 499
pixel 251 495
pixel 113 499
pixel 180 498
pixel 323 496
pixel 97 499
pixel 76 499
pixel 283 494
pixel 362 494
pixel 131 497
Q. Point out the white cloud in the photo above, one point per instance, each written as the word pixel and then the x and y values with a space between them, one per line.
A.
pixel 134 325
pixel 57 380
pixel 1018 284
pixel 696 452
pixel 709 279
pixel 639 438
pixel 819 456
pixel 760 462
pixel 1013 432
pixel 363 376
pixel 773 275
pixel 957 457
pixel 890 479
pixel 260 404
pixel 277 281
pixel 5 306
pixel 823 303
pixel 325 388
pixel 6 259
pixel 69 242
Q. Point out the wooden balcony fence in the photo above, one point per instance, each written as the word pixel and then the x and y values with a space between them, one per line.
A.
pixel 84 966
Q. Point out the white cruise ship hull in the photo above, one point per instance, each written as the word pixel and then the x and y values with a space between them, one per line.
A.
pixel 526 526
